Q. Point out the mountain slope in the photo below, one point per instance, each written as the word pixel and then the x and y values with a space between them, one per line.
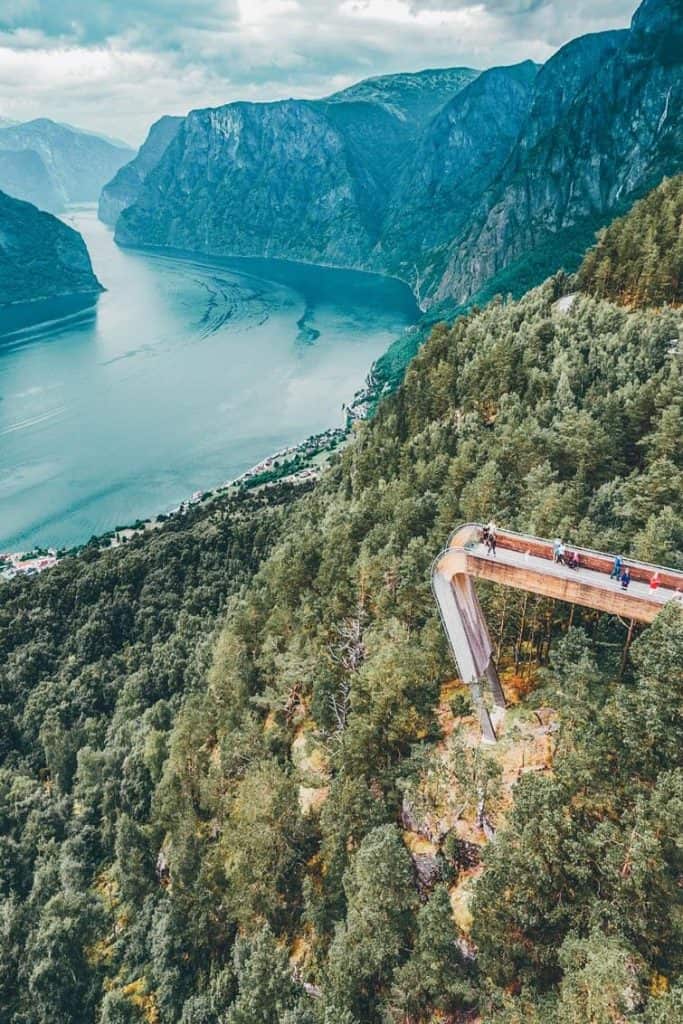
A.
pixel 253 179
pixel 489 188
pixel 40 256
pixel 307 180
pixel 79 163
pixel 125 186
pixel 581 158
pixel 459 154
pixel 24 176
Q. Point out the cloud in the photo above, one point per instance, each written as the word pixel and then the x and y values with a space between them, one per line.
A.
pixel 116 67
pixel 93 22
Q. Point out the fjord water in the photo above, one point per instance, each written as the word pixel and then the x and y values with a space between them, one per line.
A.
pixel 184 375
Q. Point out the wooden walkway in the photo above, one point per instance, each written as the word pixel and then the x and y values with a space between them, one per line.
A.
pixel 526 563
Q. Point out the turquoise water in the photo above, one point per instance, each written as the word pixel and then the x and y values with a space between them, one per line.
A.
pixel 184 375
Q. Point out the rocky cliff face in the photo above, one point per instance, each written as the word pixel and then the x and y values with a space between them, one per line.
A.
pixel 253 179
pixel 78 163
pixel 458 155
pixel 605 126
pixel 307 180
pixel 40 256
pixel 24 176
pixel 125 186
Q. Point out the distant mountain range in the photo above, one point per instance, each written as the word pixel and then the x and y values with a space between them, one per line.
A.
pixel 457 181
pixel 51 164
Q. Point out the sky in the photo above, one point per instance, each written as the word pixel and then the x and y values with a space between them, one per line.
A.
pixel 116 67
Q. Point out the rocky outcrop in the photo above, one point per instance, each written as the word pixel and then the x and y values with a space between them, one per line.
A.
pixel 605 126
pixel 40 256
pixel 24 176
pixel 125 186
pixel 78 162
pixel 254 179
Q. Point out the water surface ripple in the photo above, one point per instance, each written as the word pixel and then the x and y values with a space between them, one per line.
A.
pixel 184 375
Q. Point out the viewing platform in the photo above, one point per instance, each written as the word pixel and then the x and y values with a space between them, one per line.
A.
pixel 527 563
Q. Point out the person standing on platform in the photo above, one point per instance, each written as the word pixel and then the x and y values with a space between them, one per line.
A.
pixel 625 578
pixel 616 568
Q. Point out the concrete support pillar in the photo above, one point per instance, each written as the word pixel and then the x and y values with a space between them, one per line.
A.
pixel 467 632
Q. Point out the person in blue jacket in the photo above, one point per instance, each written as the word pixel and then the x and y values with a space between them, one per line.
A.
pixel 616 568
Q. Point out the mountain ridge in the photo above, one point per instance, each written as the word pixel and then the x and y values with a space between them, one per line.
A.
pixel 125 186
pixel 621 132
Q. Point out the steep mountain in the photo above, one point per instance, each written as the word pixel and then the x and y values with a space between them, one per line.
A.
pixel 125 186
pixel 24 176
pixel 307 180
pixel 459 154
pixel 255 179
pixel 40 256
pixel 605 126
pixel 79 163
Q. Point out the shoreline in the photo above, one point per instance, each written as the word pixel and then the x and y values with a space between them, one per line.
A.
pixel 295 464
pixel 299 462
pixel 224 260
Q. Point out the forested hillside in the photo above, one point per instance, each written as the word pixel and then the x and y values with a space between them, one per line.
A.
pixel 638 260
pixel 40 256
pixel 239 785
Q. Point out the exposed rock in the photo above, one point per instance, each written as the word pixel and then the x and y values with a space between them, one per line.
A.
pixel 605 126
pixel 426 858
pixel 459 154
pixel 299 179
pixel 428 869
pixel 457 182
pixel 163 870
pixel 413 97
pixel 409 819
pixel 312 798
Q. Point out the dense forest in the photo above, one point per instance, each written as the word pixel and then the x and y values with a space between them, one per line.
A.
pixel 638 260
pixel 239 783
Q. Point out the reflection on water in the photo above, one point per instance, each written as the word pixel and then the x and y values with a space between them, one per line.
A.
pixel 185 373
